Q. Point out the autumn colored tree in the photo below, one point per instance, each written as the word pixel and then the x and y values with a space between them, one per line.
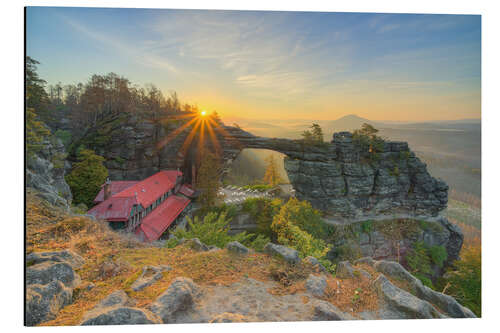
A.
pixel 272 176
pixel 291 225
pixel 207 179
pixel 86 177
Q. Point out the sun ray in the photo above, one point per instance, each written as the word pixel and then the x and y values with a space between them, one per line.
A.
pixel 213 138
pixel 190 137
pixel 175 133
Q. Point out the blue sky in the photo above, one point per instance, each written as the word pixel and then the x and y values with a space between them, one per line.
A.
pixel 265 65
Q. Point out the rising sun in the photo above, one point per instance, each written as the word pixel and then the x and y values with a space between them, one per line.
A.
pixel 203 113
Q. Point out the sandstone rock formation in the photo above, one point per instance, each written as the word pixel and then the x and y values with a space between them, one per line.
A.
pixel 45 173
pixel 335 177
pixel 338 178
pixel 50 279
pixel 117 309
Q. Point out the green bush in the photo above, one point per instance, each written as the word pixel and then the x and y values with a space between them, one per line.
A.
pixel 64 136
pixel 291 225
pixel 263 211
pixel 418 259
pixel 86 177
pixel 258 187
pixel 465 280
pixel 367 226
pixel 438 254
pixel 213 230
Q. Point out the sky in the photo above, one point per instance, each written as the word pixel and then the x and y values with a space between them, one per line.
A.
pixel 273 65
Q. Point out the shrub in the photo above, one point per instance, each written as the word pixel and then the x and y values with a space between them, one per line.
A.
pixel 465 281
pixel 288 224
pixel 418 259
pixel 438 254
pixel 213 230
pixel 86 177
pixel 263 211
pixel 303 215
pixel 64 136
pixel 258 187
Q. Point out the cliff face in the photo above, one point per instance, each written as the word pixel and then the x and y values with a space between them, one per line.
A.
pixel 336 177
pixel 45 172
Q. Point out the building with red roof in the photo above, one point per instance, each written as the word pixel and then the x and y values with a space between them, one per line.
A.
pixel 148 207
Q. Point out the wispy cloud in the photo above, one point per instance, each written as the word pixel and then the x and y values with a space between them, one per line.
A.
pixel 107 41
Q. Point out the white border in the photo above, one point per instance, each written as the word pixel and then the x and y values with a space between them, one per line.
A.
pixel 12 161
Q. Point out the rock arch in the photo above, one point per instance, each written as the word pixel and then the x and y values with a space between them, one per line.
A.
pixel 336 178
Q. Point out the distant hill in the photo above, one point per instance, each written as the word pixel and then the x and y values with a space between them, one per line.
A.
pixel 349 123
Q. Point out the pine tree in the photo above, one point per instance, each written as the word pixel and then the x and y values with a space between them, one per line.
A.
pixel 35 132
pixel 272 176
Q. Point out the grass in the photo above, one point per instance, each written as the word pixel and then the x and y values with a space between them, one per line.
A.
pixel 114 261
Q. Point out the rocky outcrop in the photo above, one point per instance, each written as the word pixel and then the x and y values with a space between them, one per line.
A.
pixel 237 247
pixel 343 180
pixel 338 177
pixel 446 303
pixel 149 275
pixel 316 285
pixel 289 255
pixel 117 309
pixel 393 239
pixel 45 172
pixel 178 299
pixel 50 279
pixel 402 304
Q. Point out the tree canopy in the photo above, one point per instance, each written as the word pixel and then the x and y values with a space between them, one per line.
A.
pixel 314 135
pixel 86 177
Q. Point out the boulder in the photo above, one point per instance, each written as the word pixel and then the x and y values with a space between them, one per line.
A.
pixel 325 311
pixel 237 247
pixel 344 270
pixel 196 244
pixel 57 256
pixel 117 309
pixel 315 264
pixel 48 271
pixel 149 275
pixel 289 255
pixel 446 303
pixel 43 302
pixel 179 297
pixel 316 285
pixel 122 316
pixel 404 304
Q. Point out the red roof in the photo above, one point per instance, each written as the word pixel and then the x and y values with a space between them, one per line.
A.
pixel 187 191
pixel 150 189
pixel 114 209
pixel 155 224
pixel 116 187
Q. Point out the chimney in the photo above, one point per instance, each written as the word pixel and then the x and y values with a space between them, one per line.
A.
pixel 107 189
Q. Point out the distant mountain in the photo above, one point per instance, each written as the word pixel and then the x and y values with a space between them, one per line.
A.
pixel 349 123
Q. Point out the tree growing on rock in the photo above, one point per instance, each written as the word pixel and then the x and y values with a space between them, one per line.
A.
pixel 272 176
pixel 314 135
pixel 86 177
pixel 366 137
pixel 290 226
